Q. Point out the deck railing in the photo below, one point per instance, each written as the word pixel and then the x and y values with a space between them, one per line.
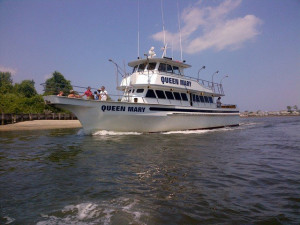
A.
pixel 215 87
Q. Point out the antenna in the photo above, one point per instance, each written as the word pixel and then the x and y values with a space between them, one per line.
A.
pixel 163 23
pixel 138 29
pixel 179 30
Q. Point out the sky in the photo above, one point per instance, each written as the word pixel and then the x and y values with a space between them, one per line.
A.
pixel 255 43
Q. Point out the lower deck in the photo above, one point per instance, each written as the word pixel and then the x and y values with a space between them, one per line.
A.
pixel 171 97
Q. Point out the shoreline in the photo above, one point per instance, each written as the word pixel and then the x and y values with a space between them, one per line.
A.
pixel 41 125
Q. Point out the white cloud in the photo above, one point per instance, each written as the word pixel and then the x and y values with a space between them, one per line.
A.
pixel 7 69
pixel 210 27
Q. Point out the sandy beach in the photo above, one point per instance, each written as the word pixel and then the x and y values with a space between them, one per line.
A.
pixel 41 125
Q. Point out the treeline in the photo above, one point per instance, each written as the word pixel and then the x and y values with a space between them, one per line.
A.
pixel 23 98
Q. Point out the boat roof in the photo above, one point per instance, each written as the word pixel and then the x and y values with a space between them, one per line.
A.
pixel 160 60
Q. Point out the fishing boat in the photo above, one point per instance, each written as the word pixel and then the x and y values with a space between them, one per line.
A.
pixel 157 97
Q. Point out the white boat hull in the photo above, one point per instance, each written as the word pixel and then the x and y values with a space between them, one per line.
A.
pixel 140 117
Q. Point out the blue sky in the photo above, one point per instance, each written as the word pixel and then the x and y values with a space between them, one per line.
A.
pixel 256 43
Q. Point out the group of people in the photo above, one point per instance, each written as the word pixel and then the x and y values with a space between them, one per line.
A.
pixel 100 94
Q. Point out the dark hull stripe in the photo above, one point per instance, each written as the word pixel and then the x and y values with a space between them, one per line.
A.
pixel 189 110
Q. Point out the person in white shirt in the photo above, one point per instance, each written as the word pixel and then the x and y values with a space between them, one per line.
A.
pixel 103 94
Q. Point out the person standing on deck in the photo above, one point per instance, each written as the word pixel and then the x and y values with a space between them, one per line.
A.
pixel 103 94
pixel 88 93
pixel 219 102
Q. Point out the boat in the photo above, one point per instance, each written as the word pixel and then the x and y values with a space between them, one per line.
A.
pixel 157 97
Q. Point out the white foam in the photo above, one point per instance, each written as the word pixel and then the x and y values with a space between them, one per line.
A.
pixel 113 133
pixel 108 215
pixel 77 214
pixel 200 131
pixel 81 132
pixel 8 219
pixel 86 211
pixel 92 213
pixel 187 132
pixel 249 124
pixel 128 207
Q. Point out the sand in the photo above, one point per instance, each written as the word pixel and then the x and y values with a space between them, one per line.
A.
pixel 41 125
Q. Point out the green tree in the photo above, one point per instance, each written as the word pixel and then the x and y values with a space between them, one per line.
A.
pixel 57 83
pixel 289 108
pixel 26 88
pixel 6 82
pixel 12 103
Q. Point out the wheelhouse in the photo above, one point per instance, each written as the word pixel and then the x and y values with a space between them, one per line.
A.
pixel 162 81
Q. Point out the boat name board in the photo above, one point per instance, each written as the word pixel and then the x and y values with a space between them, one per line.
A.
pixel 171 80
pixel 122 108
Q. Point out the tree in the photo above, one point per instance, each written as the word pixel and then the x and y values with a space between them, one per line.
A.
pixel 6 82
pixel 26 88
pixel 295 107
pixel 12 103
pixel 289 108
pixel 57 83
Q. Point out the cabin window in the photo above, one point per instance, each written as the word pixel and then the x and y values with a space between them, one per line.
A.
pixel 197 98
pixel 176 70
pixel 133 90
pixel 141 67
pixel 210 99
pixel 169 95
pixel 160 94
pixel 194 98
pixel 206 99
pixel 201 99
pixel 150 94
pixel 162 67
pixel 139 90
pixel 169 69
pixel 184 97
pixel 135 69
pixel 151 66
pixel 177 95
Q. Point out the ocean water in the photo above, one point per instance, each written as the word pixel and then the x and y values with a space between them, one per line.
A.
pixel 244 175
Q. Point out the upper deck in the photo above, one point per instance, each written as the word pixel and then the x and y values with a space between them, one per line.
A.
pixel 165 72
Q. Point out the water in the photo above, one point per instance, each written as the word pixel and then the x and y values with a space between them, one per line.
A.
pixel 244 175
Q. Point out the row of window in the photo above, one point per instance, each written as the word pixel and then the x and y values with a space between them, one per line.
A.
pixel 137 91
pixel 172 95
pixel 166 94
pixel 200 98
pixel 162 68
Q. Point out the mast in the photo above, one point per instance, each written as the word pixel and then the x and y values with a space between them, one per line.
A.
pixel 138 34
pixel 163 23
pixel 179 30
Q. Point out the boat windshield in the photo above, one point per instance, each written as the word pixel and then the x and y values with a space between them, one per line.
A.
pixel 176 70
pixel 142 67
pixel 169 68
pixel 162 67
pixel 135 68
pixel 151 66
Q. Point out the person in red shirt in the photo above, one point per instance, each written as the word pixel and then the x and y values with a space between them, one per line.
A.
pixel 88 93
